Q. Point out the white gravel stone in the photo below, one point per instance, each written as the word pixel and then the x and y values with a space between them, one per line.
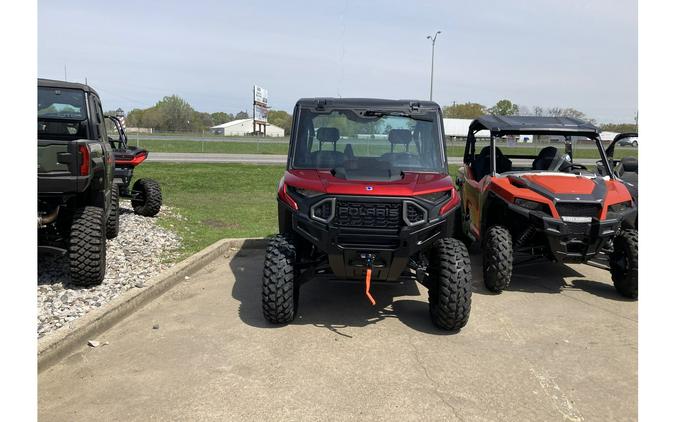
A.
pixel 140 251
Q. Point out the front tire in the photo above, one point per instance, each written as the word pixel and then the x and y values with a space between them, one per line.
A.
pixel 449 284
pixel 280 289
pixel 623 263
pixel 497 259
pixel 635 144
pixel 86 248
pixel 112 226
pixel 146 197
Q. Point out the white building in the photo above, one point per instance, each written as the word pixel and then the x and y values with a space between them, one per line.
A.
pixel 460 128
pixel 244 127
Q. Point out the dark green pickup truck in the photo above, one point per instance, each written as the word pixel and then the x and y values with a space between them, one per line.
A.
pixel 78 203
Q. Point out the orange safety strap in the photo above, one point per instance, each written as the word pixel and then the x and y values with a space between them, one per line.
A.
pixel 368 295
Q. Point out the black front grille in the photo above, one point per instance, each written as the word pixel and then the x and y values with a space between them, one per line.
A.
pixel 575 209
pixel 577 228
pixel 368 214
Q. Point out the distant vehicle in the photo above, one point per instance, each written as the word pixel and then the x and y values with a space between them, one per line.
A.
pixel 145 194
pixel 631 140
pixel 78 203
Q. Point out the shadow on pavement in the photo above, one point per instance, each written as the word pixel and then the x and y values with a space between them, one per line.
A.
pixel 543 277
pixel 329 304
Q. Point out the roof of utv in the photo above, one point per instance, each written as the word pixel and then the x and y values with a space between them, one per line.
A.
pixel 370 103
pixel 534 125
pixel 51 83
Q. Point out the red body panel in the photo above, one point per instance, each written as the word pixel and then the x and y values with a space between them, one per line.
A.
pixel 411 184
pixel 555 183
pixel 562 184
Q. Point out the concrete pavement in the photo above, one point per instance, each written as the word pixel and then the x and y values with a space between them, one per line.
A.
pixel 561 344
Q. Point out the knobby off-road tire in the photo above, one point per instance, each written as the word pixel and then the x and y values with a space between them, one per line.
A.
pixel 86 248
pixel 497 259
pixel 112 226
pixel 623 263
pixel 149 199
pixel 280 289
pixel 449 284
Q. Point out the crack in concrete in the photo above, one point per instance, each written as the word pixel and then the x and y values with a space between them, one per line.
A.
pixel 435 384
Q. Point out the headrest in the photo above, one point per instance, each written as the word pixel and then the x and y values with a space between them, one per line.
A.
pixel 630 164
pixel 400 136
pixel 328 134
pixel 548 152
pixel 486 151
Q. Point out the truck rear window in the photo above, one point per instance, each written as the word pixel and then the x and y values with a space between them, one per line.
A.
pixel 60 103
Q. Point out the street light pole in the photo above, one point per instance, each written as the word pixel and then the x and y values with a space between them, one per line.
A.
pixel 433 46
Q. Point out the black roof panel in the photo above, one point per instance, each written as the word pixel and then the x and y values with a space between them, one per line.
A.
pixel 330 102
pixel 52 83
pixel 534 125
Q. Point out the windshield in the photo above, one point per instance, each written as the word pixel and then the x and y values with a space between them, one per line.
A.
pixel 538 153
pixel 367 140
pixel 61 103
pixel 62 113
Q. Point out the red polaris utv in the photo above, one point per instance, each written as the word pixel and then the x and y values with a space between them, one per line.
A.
pixel 146 194
pixel 367 196
pixel 548 205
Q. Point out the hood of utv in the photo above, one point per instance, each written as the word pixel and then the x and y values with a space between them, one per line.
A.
pixel 412 183
pixel 553 188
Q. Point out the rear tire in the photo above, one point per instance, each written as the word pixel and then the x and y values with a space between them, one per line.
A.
pixel 280 289
pixel 635 144
pixel 449 284
pixel 86 248
pixel 497 259
pixel 623 263
pixel 147 197
pixel 112 226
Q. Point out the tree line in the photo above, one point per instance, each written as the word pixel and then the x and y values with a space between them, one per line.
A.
pixel 173 113
pixel 505 107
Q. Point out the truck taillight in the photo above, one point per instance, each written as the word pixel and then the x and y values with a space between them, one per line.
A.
pixel 84 160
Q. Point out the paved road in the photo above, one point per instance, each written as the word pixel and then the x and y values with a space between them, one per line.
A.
pixel 190 157
pixel 560 345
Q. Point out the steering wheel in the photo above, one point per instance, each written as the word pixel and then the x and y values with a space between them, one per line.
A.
pixel 570 167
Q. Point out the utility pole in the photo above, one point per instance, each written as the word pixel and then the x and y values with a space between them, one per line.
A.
pixel 65 73
pixel 433 46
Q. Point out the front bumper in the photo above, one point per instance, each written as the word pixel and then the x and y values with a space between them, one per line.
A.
pixel 576 242
pixel 347 247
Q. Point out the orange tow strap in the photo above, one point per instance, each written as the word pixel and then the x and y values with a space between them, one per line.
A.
pixel 368 295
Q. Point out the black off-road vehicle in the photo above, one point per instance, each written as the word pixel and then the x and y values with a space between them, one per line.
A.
pixel 146 194
pixel 522 205
pixel 78 203
pixel 367 196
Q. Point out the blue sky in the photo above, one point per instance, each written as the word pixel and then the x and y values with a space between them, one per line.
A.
pixel 580 54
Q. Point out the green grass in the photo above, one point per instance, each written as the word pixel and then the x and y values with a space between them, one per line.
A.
pixel 223 147
pixel 218 200
pixel 281 148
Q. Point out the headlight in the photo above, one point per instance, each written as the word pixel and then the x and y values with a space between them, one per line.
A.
pixel 531 205
pixel 620 207
pixel 306 192
pixel 436 196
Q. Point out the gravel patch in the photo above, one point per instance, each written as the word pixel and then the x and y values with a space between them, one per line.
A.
pixel 140 251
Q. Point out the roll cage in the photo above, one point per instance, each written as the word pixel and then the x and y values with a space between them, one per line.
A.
pixel 499 126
